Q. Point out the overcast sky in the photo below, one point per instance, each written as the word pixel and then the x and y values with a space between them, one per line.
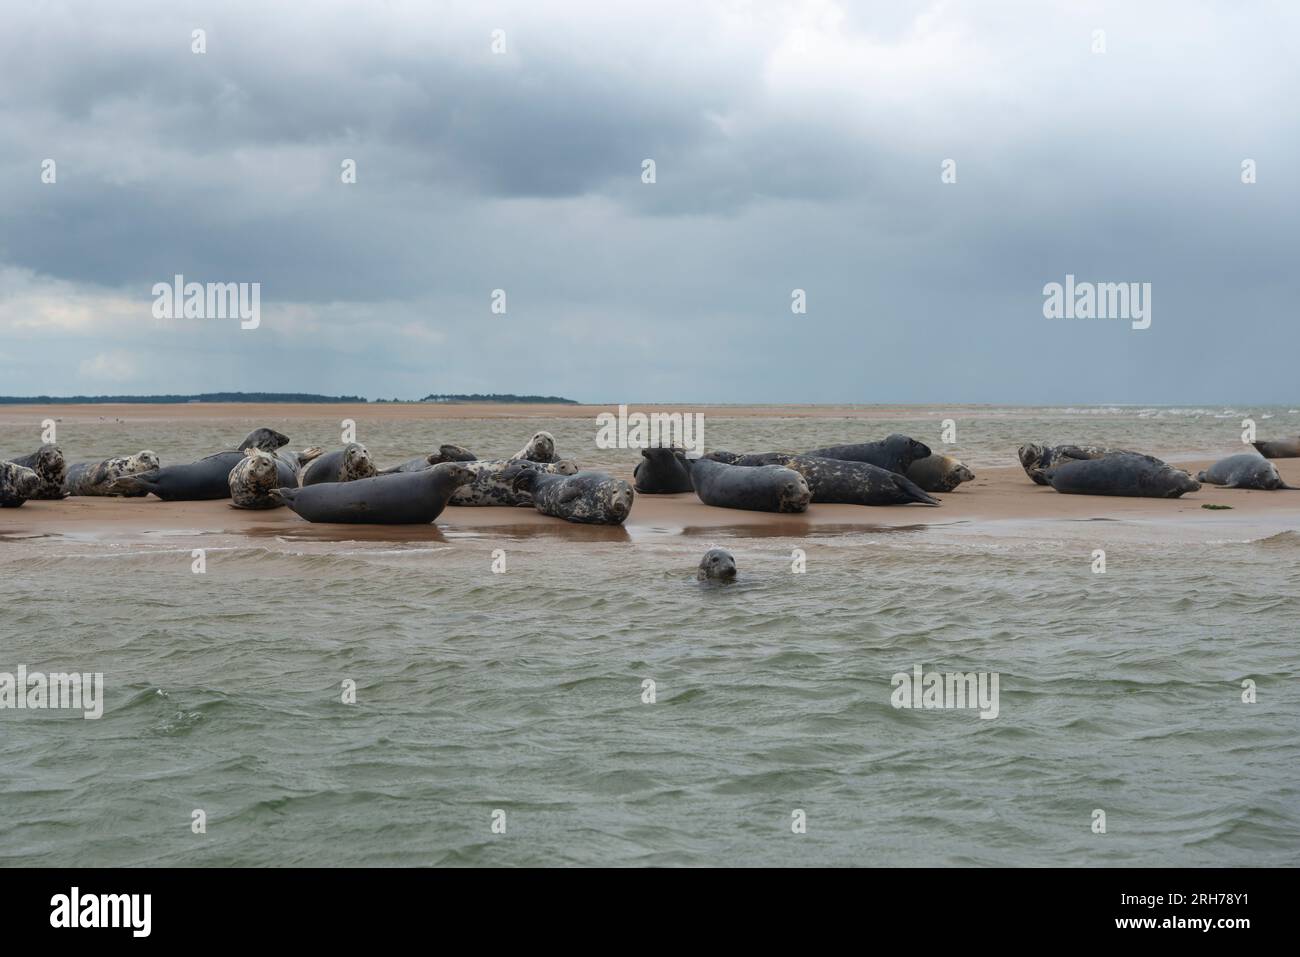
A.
pixel 796 145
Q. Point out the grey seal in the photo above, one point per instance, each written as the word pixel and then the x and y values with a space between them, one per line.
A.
pixel 660 472
pixel 1280 449
pixel 588 498
pixel 1037 459
pixel 268 440
pixel 838 480
pixel 894 452
pixel 208 478
pixel 50 467
pixel 347 464
pixel 491 486
pixel 17 483
pixel 763 488
pixel 1244 470
pixel 1124 473
pixel 253 480
pixel 718 564
pixel 540 448
pixel 405 498
pixel 97 478
pixel 939 473
pixel 445 453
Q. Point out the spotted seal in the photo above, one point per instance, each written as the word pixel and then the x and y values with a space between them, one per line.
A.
pixel 1124 473
pixel 762 488
pixel 255 477
pixel 17 483
pixel 97 478
pixel 661 473
pixel 939 473
pixel 348 464
pixel 404 498
pixel 490 486
pixel 540 448
pixel 50 467
pixel 894 452
pixel 838 480
pixel 586 497
pixel 1244 470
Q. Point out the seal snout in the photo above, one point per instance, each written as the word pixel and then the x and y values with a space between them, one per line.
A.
pixel 718 564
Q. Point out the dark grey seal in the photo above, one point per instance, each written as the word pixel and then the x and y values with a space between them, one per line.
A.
pixel 1244 470
pixel 97 478
pixel 406 498
pixel 445 453
pixel 1124 473
pixel 939 473
pixel 589 498
pixel 347 464
pixel 838 480
pixel 762 488
pixel 1037 459
pixel 268 440
pixel 718 564
pixel 49 465
pixel 660 472
pixel 895 452
pixel 208 478
pixel 17 483
pixel 1281 449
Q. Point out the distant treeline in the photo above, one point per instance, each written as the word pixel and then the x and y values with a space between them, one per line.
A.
pixel 507 397
pixel 175 399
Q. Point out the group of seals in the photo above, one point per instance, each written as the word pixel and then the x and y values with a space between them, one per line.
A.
pixel 491 486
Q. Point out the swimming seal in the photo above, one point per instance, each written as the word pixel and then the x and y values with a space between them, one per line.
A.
pixel 939 473
pixel 718 564
pixel 97 478
pixel 48 464
pixel 254 479
pixel 1281 449
pixel 838 480
pixel 404 498
pixel 540 448
pixel 17 483
pixel 1125 473
pixel 445 453
pixel 763 488
pixel 1244 470
pixel 588 498
pixel 661 473
pixel 348 464
pixel 894 452
pixel 491 486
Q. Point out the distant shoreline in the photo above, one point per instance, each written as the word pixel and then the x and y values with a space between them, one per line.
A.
pixel 277 398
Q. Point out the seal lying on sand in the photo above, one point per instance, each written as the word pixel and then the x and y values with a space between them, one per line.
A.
pixel 254 479
pixel 1037 459
pixel 348 464
pixel 1282 449
pixel 1245 470
pixel 405 498
pixel 17 483
pixel 208 478
pixel 838 480
pixel 48 464
pixel 895 452
pixel 490 486
pixel 445 453
pixel 718 564
pixel 540 448
pixel 1124 473
pixel 96 478
pixel 589 498
pixel 763 488
pixel 661 473
pixel 939 473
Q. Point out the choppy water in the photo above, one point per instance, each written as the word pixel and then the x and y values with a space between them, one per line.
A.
pixel 523 691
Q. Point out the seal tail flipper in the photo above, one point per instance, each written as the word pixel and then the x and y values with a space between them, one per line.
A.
pixel 131 484
pixel 914 491
pixel 283 496
pixel 306 455
pixel 1200 476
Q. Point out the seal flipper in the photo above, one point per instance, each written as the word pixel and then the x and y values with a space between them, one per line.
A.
pixel 141 484
pixel 917 494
